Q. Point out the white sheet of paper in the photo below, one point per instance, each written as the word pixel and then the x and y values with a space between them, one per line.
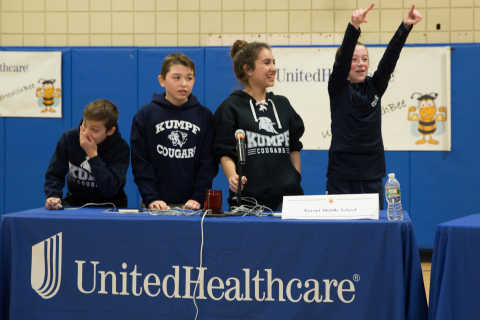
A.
pixel 344 206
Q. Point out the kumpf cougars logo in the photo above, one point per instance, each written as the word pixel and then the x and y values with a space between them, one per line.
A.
pixel 266 124
pixel 178 138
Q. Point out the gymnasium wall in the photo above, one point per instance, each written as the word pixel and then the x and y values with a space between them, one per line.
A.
pixel 436 186
pixel 220 22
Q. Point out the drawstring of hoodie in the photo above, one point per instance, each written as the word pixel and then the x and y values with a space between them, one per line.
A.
pixel 276 114
pixel 253 111
pixel 263 104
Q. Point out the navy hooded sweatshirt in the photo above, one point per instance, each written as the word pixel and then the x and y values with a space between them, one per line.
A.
pixel 272 132
pixel 97 180
pixel 356 151
pixel 172 156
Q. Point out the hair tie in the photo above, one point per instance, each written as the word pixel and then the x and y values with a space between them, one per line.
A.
pixel 244 43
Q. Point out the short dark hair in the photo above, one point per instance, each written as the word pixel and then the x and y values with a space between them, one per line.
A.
pixel 340 48
pixel 102 110
pixel 245 54
pixel 176 59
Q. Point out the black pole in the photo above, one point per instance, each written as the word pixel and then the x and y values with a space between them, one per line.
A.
pixel 239 193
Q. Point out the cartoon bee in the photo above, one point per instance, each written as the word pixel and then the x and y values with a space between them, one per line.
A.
pixel 427 124
pixel 48 95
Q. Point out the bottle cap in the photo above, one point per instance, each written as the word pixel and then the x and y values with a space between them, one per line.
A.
pixel 391 175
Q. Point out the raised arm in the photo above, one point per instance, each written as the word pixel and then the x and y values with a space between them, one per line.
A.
pixel 359 16
pixel 413 17
pixel 343 62
pixel 392 53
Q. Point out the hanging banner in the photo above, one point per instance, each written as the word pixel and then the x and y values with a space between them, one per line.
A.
pixel 30 84
pixel 416 109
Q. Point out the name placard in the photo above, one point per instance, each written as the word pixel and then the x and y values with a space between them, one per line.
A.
pixel 344 206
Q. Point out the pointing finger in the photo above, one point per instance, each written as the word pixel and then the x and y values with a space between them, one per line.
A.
pixel 368 9
pixel 410 13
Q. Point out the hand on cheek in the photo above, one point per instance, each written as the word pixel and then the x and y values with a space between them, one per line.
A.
pixel 88 143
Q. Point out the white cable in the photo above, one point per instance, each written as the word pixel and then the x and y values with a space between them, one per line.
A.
pixel 174 212
pixel 93 204
pixel 246 210
pixel 169 212
pixel 200 269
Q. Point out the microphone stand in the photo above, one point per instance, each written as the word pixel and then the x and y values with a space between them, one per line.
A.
pixel 240 137
pixel 239 193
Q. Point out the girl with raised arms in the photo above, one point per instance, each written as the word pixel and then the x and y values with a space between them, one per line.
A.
pixel 356 157
pixel 272 127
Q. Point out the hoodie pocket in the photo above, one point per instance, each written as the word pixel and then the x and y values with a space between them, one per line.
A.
pixel 273 179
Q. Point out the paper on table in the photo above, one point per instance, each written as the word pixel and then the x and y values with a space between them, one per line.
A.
pixel 345 206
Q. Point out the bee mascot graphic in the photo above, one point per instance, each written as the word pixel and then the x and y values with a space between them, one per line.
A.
pixel 47 94
pixel 427 122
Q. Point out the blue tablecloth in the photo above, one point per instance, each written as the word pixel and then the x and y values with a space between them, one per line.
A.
pixel 455 277
pixel 137 266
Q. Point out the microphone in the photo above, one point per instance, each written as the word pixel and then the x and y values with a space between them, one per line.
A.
pixel 240 136
pixel 241 148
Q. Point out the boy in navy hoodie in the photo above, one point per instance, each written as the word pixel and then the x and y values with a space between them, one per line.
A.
pixel 171 140
pixel 95 157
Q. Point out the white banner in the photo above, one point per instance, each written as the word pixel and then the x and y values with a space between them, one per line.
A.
pixel 30 84
pixel 416 109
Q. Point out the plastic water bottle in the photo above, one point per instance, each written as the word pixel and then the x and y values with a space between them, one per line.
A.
pixel 394 198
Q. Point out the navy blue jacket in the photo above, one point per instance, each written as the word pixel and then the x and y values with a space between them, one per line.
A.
pixel 172 156
pixel 272 132
pixel 356 151
pixel 97 180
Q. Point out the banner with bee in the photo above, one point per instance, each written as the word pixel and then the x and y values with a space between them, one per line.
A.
pixel 415 108
pixel 31 84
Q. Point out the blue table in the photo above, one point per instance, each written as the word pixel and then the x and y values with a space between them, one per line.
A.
pixel 120 266
pixel 455 277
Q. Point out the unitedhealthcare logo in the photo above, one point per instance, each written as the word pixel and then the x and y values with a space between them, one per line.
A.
pixel 46 273
pixel 258 285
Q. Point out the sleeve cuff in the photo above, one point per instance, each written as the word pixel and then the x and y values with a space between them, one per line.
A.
pixel 403 29
pixel 351 28
pixel 95 160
